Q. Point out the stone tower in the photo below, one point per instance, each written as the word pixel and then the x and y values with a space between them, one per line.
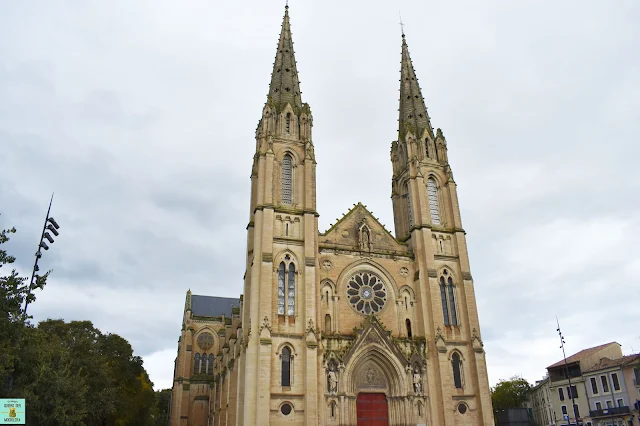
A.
pixel 280 282
pixel 351 326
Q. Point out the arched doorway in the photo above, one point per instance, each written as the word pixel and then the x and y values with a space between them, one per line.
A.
pixel 372 409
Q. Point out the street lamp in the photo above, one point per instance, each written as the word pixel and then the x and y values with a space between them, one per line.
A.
pixel 50 225
pixel 573 396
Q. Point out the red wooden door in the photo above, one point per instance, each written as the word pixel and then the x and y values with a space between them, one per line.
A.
pixel 372 409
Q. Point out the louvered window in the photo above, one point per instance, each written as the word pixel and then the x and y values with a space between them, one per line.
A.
pixel 452 303
pixel 287 184
pixel 432 193
pixel 409 209
pixel 443 296
pixel 281 289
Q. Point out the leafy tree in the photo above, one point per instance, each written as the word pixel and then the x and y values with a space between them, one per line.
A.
pixel 14 291
pixel 163 399
pixel 70 373
pixel 512 393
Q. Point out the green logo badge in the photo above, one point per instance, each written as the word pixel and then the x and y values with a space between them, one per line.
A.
pixel 12 412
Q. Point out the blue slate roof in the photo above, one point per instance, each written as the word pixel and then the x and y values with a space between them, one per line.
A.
pixel 210 306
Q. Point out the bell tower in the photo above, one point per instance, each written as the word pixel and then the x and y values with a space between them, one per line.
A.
pixel 279 283
pixel 427 218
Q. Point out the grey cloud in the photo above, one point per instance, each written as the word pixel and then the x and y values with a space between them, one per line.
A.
pixel 142 120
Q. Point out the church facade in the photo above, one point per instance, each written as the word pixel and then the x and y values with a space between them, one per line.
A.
pixel 351 326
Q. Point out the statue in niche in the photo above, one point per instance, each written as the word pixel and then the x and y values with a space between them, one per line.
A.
pixel 365 236
pixel 417 381
pixel 309 151
pixel 332 379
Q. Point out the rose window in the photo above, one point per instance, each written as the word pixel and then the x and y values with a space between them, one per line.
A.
pixel 205 340
pixel 366 293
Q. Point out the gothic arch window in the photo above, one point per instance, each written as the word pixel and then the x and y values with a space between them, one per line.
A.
pixel 287 179
pixel 210 366
pixel 285 379
pixel 287 123
pixel 452 302
pixel 407 196
pixel 287 287
pixel 203 364
pixel 456 364
pixel 432 193
pixel 426 147
pixel 327 323
pixel 447 296
pixel 196 364
pixel 408 324
pixel 443 296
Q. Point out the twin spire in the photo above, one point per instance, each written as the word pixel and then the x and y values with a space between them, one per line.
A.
pixel 285 85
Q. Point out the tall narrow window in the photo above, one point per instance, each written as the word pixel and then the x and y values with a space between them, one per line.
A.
pixel 327 323
pixel 594 385
pixel 605 384
pixel 614 380
pixel 196 364
pixel 561 394
pixel 291 294
pixel 409 209
pixel 203 364
pixel 287 185
pixel 286 367
pixel 408 324
pixel 452 303
pixel 457 374
pixel 332 409
pixel 426 147
pixel 210 366
pixel 281 289
pixel 443 296
pixel 288 123
pixel 432 193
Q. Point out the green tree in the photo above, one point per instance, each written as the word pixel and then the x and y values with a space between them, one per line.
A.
pixel 512 393
pixel 70 373
pixel 14 291
pixel 163 399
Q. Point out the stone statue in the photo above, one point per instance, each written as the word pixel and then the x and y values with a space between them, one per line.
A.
pixel 417 382
pixel 332 380
pixel 365 236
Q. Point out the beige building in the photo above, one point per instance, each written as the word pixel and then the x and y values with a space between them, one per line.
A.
pixel 540 403
pixel 354 325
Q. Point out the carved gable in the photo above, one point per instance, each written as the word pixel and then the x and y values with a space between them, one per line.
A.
pixel 373 333
pixel 360 231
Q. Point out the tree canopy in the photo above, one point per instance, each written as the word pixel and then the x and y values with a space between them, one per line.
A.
pixel 70 373
pixel 512 393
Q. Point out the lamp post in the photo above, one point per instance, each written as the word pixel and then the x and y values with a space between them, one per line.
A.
pixel 566 366
pixel 50 225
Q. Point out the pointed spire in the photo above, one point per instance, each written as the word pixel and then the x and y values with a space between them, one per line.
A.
pixel 413 112
pixel 285 86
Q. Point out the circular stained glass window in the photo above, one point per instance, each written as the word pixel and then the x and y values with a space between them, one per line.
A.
pixel 366 293
pixel 205 340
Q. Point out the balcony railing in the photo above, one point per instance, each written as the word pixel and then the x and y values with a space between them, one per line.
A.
pixel 608 412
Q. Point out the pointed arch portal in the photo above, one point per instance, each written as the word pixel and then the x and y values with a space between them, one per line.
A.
pixel 372 409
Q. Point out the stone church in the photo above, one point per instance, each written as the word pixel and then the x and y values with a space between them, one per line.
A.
pixel 351 326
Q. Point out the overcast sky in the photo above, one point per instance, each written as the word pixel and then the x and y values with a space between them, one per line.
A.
pixel 141 115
